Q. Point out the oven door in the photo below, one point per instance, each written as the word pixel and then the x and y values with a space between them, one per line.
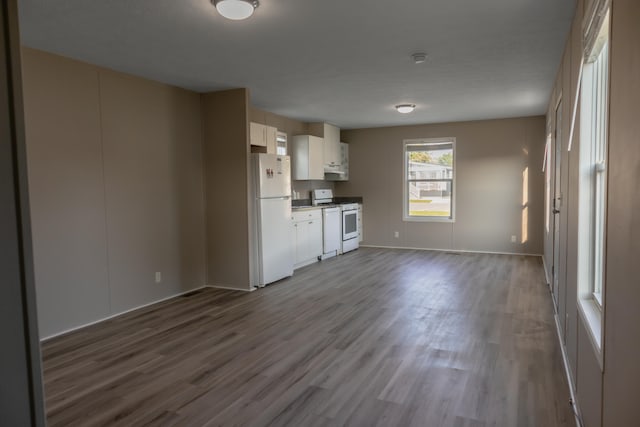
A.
pixel 349 224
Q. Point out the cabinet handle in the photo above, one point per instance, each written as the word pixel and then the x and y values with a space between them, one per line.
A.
pixel 310 222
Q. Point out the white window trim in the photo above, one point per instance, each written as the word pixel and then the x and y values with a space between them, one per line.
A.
pixel 592 318
pixel 405 203
pixel 590 304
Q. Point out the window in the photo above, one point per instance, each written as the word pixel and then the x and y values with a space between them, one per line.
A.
pixel 429 179
pixel 593 167
pixel 281 144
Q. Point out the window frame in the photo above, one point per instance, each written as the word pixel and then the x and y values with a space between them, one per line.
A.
pixel 592 187
pixel 406 180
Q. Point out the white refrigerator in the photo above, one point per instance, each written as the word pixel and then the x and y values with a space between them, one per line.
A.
pixel 272 189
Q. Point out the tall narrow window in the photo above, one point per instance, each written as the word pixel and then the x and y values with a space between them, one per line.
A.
pixel 281 144
pixel 594 118
pixel 429 179
pixel 599 87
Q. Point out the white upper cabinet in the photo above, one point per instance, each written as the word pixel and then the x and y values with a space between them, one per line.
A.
pixel 257 134
pixel 263 136
pixel 307 154
pixel 332 154
pixel 340 172
pixel 271 135
pixel 331 143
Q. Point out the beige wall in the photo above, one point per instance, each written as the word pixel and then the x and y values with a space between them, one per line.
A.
pixel 116 190
pixel 228 202
pixel 584 368
pixel 492 158
pixel 605 397
pixel 622 315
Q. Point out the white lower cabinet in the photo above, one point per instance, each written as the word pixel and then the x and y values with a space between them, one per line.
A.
pixel 307 236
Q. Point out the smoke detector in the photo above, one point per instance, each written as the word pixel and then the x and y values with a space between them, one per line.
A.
pixel 419 57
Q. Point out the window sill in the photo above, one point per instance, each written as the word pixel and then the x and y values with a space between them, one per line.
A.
pixel 592 318
pixel 598 298
pixel 427 219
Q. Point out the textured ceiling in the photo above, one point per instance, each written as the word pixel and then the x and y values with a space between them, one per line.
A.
pixel 344 62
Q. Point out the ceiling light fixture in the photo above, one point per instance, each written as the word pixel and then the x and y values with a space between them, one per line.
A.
pixel 419 57
pixel 235 10
pixel 405 108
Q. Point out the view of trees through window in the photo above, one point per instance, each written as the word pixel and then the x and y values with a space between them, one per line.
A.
pixel 429 179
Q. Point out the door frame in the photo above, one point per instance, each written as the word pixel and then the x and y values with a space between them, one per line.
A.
pixel 556 204
pixel 21 393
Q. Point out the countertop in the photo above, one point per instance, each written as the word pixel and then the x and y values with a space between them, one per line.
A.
pixel 305 208
pixel 303 204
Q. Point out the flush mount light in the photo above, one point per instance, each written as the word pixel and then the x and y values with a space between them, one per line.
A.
pixel 405 108
pixel 235 9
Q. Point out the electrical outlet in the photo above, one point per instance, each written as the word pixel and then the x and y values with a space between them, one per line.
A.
pixel 158 277
pixel 514 238
pixel 396 234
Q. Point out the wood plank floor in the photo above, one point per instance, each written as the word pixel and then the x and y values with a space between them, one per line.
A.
pixel 374 337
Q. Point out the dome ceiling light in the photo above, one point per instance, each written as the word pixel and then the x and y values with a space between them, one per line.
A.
pixel 405 108
pixel 235 10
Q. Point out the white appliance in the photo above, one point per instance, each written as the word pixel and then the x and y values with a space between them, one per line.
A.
pixel 331 232
pixel 321 197
pixel 350 240
pixel 272 191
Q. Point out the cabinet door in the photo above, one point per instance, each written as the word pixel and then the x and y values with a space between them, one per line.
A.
pixel 315 238
pixel 257 134
pixel 331 153
pixel 271 134
pixel 344 159
pixel 293 236
pixel 301 231
pixel 331 145
pixel 300 158
pixel 316 158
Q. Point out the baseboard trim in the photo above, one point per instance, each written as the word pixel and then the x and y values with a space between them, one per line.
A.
pixel 229 288
pixel 84 325
pixel 449 250
pixel 547 276
pixel 567 374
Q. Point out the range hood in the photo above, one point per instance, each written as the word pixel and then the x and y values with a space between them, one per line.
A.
pixel 333 171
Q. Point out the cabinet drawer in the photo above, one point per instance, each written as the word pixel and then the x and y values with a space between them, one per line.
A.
pixel 308 214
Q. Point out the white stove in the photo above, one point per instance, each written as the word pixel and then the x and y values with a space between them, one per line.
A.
pixel 321 197
pixel 350 236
